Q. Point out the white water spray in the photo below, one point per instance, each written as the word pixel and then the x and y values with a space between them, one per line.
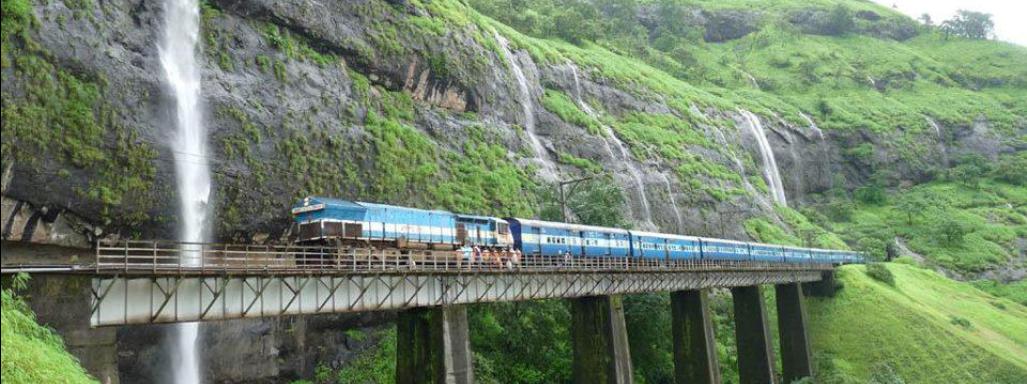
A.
pixel 622 153
pixel 547 169
pixel 767 154
pixel 934 125
pixel 178 58
pixel 813 126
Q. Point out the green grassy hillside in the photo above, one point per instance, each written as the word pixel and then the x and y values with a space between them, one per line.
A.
pixel 32 353
pixel 924 329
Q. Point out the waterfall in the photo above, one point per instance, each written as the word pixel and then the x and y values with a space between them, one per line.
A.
pixel 770 171
pixel 813 126
pixel 547 169
pixel 673 204
pixel 178 58
pixel 934 125
pixel 622 153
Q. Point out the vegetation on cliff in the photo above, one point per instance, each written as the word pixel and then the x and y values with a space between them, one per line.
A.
pixel 32 353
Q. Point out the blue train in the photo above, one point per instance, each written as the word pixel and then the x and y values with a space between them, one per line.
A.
pixel 321 219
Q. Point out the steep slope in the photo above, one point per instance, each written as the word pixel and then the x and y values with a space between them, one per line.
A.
pixel 467 106
pixel 924 329
pixel 31 352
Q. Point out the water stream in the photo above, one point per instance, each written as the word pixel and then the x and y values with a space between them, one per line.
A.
pixel 178 58
pixel 622 154
pixel 813 126
pixel 547 170
pixel 770 171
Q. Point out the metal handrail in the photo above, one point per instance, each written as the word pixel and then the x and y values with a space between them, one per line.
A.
pixel 160 256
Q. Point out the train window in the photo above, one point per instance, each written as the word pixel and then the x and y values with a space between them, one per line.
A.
pixel 504 228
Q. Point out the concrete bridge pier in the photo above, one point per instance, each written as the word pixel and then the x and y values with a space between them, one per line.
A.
pixel 695 348
pixel 600 341
pixel 791 320
pixel 752 334
pixel 433 346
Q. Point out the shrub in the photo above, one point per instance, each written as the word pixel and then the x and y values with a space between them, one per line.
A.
pixel 956 320
pixel 879 272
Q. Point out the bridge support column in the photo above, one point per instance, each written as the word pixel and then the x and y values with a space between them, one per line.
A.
pixel 600 340
pixel 826 287
pixel 752 334
pixel 433 346
pixel 791 323
pixel 695 348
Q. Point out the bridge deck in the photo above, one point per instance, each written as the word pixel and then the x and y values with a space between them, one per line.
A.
pixel 135 282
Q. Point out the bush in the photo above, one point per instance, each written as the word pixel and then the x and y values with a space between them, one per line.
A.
pixel 879 272
pixel 956 320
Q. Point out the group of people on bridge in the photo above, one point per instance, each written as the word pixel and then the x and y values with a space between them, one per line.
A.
pixel 498 257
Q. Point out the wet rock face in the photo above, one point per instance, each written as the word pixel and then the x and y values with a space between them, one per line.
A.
pixel 271 350
pixel 729 25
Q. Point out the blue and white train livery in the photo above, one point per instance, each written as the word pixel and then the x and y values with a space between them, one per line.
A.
pixel 547 238
pixel 320 219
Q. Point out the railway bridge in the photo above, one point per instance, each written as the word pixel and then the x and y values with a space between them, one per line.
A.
pixel 143 282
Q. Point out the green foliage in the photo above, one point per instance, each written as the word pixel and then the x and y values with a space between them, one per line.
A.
pixel 32 353
pixel 951 231
pixel 1012 169
pixel 839 20
pixel 879 272
pixel 586 165
pixel 969 24
pixel 959 321
pixel 1015 291
pixel 970 169
pixel 376 365
pixel 559 103
pixel 61 116
pixel 950 224
pixel 521 342
pixel 912 323
pixel 799 231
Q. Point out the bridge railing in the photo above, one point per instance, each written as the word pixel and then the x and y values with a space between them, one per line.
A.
pixel 169 257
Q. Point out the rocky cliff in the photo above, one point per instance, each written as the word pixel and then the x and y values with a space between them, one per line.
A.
pixel 441 104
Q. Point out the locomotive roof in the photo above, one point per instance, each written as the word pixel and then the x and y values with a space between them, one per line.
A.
pixel 361 204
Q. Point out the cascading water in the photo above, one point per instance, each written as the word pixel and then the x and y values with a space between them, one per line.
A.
pixel 622 154
pixel 673 204
pixel 934 125
pixel 547 169
pixel 178 58
pixel 770 170
pixel 813 125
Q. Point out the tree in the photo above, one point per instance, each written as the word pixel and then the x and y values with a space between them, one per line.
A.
pixel 926 19
pixel 1012 169
pixel 951 231
pixel 839 20
pixel 969 24
pixel 970 169
pixel 912 205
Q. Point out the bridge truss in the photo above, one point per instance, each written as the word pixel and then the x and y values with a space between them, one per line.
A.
pixel 162 282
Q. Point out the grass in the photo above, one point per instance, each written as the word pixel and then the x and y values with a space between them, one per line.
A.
pixel 924 329
pixel 991 227
pixel 33 353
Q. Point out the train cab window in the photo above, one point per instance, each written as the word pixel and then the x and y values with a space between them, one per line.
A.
pixel 503 228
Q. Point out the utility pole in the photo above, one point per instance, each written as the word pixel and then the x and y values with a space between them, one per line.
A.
pixel 563 193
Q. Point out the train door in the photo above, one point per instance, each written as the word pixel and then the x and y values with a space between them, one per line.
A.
pixel 538 238
pixel 461 233
pixel 609 244
pixel 580 239
pixel 666 251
